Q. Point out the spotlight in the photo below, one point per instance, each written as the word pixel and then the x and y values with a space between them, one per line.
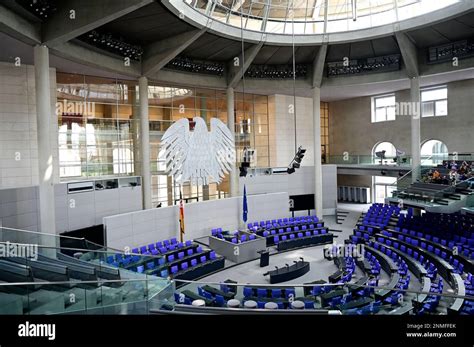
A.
pixel 296 162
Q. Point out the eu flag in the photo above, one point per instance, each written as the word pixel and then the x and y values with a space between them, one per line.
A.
pixel 245 208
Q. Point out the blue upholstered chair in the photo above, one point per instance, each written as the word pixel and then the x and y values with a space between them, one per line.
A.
pixel 276 293
pixel 248 292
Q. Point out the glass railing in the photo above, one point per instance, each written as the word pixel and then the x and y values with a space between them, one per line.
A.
pixel 357 298
pixel 367 159
pixel 36 279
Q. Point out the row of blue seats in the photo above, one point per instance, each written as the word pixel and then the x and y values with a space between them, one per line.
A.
pixel 464 245
pixel 159 262
pixel 162 248
pixel 243 238
pixel 284 221
pixel 219 301
pixel 380 214
pixel 374 263
pixel 289 230
pixel 152 249
pixel 277 238
pixel 458 266
pixel 265 292
pixel 429 266
pixel 442 225
pixel 190 251
pixel 236 239
pixel 194 262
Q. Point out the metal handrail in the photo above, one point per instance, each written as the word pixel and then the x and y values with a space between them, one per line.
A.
pixel 147 279
pixel 88 250
pixel 323 285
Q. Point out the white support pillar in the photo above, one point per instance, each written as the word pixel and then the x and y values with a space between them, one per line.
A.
pixel 233 177
pixel 45 153
pixel 145 141
pixel 318 181
pixel 415 128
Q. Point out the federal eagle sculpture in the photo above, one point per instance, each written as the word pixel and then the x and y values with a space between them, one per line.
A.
pixel 198 156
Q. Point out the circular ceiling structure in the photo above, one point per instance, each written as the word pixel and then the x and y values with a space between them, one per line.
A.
pixel 312 21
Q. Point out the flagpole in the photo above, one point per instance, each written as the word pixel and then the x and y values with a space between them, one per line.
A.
pixel 181 216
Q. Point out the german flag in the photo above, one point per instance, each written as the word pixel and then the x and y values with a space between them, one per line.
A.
pixel 181 217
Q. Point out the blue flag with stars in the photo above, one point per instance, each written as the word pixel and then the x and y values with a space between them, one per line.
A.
pixel 245 207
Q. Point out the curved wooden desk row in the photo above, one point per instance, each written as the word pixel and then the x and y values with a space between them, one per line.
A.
pixel 418 270
pixel 305 241
pixel 199 270
pixel 468 263
pixel 445 270
pixel 389 266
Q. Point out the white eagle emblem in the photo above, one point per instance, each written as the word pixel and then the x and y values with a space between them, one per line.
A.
pixel 199 156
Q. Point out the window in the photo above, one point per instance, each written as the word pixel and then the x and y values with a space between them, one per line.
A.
pixel 383 187
pixel 434 102
pixel 388 147
pixel 433 152
pixel 383 108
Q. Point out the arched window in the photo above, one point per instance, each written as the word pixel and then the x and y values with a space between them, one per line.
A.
pixel 433 152
pixel 388 147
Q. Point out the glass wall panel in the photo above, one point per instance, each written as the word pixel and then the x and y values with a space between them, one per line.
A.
pixel 96 126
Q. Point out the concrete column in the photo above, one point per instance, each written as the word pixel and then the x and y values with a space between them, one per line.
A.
pixel 45 152
pixel 318 181
pixel 145 141
pixel 234 177
pixel 135 129
pixel 415 128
